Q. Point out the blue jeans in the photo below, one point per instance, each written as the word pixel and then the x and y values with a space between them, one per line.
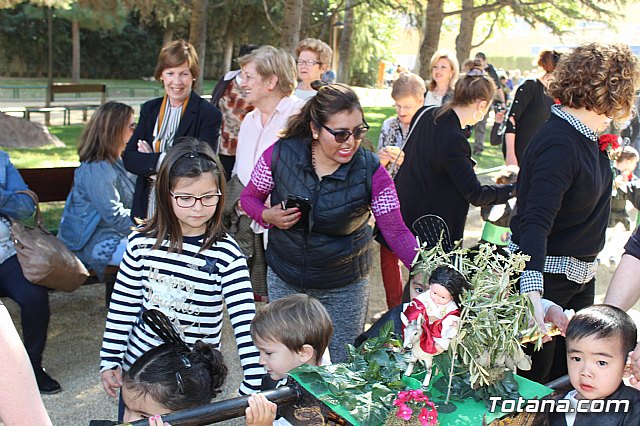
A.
pixel 34 307
pixel 347 307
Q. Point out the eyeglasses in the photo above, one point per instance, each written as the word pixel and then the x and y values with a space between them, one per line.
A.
pixel 308 63
pixel 244 78
pixel 133 126
pixel 341 136
pixel 186 201
pixel 404 107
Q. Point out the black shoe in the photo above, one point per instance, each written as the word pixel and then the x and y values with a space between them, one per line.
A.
pixel 46 384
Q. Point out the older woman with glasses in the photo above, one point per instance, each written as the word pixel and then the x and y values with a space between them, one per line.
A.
pixel 313 59
pixel 323 187
pixel 97 214
pixel 166 120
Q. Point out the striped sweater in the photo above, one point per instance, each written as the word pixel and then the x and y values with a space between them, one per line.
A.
pixel 190 288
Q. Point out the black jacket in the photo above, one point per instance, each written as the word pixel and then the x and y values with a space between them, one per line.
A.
pixel 200 120
pixel 564 196
pixel 335 248
pixel 437 175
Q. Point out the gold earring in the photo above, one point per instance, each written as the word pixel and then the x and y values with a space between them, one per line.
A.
pixel 476 118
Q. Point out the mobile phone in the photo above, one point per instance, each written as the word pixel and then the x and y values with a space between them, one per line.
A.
pixel 304 206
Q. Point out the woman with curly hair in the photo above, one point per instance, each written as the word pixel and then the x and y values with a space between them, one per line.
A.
pixel 564 187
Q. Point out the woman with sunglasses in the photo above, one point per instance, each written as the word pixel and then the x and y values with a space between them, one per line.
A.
pixel 322 247
pixel 437 175
pixel 97 214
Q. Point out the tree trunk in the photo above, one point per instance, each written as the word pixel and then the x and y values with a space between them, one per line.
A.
pixel 167 34
pixel 464 39
pixel 305 20
pixel 434 15
pixel 344 48
pixel 228 52
pixel 290 35
pixel 75 51
pixel 198 36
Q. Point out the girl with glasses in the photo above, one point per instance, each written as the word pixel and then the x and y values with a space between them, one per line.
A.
pixel 97 214
pixel 181 262
pixel 319 161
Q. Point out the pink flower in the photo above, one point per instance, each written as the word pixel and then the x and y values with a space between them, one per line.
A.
pixel 404 412
pixel 428 417
pixel 403 396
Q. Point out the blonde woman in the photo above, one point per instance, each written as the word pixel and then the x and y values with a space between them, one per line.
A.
pixel 444 74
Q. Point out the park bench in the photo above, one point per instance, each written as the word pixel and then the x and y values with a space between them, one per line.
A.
pixel 59 88
pixel 54 184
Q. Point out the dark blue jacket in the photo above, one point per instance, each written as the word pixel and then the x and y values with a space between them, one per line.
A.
pixel 334 249
pixel 200 120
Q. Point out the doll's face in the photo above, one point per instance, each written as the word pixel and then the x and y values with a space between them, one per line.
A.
pixel 439 294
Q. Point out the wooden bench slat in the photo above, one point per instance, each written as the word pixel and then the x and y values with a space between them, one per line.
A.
pixel 52 184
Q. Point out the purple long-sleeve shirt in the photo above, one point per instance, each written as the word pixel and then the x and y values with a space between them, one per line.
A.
pixel 384 205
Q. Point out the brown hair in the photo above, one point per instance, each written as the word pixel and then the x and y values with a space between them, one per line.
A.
pixel 269 62
pixel 453 62
pixel 408 84
pixel 548 60
pixel 102 139
pixel 598 77
pixel 475 85
pixel 294 321
pixel 318 47
pixel 189 158
pixel 330 99
pixel 176 53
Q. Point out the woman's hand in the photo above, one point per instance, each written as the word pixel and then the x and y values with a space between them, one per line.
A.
pixel 144 147
pixel 383 156
pixel 157 421
pixel 261 411
pixel 112 380
pixel 281 218
pixel 556 316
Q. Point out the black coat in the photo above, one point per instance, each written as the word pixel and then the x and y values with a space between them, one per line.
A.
pixel 200 120
pixel 437 175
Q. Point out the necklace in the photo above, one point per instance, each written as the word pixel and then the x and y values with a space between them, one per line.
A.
pixel 313 156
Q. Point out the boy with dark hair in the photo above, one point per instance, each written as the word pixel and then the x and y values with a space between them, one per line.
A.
pixel 599 339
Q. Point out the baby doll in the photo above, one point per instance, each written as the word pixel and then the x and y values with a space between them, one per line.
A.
pixel 431 319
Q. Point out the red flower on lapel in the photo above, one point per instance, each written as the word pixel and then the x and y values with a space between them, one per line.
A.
pixel 608 140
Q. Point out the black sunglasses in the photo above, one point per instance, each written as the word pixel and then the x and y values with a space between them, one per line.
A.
pixel 341 136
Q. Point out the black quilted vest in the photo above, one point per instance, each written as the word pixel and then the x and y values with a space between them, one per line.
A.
pixel 335 249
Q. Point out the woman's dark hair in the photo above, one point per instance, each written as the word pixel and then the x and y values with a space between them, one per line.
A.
pixel 473 86
pixel 602 322
pixel 177 378
pixel 330 99
pixel 189 158
pixel 452 280
pixel 102 139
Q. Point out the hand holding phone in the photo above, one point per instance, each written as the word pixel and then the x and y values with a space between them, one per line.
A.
pixel 303 206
